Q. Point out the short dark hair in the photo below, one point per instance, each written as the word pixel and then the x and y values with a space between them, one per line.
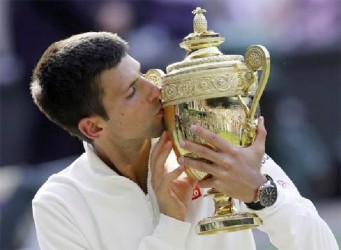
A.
pixel 65 83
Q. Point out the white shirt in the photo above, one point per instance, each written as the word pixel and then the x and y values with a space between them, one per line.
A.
pixel 89 206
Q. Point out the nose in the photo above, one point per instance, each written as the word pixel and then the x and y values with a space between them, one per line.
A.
pixel 153 91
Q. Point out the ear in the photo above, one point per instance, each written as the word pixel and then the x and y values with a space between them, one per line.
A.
pixel 89 126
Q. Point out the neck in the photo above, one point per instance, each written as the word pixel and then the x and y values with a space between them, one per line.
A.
pixel 129 160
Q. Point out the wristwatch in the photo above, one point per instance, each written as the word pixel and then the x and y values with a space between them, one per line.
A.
pixel 266 195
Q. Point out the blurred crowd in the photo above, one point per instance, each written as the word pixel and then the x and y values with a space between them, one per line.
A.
pixel 301 104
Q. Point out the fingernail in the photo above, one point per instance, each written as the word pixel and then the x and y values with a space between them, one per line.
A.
pixel 193 128
pixel 181 160
pixel 183 144
pixel 167 145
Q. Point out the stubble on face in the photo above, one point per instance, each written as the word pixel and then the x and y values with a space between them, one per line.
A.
pixel 128 116
pixel 160 130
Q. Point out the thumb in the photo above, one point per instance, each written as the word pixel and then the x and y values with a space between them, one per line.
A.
pixel 261 133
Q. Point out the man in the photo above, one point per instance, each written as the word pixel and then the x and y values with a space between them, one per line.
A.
pixel 120 193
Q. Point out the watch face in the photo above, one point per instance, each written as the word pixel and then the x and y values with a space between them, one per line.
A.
pixel 268 196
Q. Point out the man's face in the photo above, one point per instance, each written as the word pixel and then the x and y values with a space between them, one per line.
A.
pixel 131 102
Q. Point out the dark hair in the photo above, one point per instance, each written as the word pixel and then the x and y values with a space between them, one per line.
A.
pixel 65 83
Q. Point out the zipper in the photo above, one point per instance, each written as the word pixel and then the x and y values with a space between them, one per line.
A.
pixel 150 197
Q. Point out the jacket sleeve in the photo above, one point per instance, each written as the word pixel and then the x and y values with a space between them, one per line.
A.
pixel 293 221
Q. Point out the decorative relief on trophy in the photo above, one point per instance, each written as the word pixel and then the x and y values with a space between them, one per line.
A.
pixel 218 92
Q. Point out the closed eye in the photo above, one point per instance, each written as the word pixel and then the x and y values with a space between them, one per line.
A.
pixel 132 92
pixel 132 87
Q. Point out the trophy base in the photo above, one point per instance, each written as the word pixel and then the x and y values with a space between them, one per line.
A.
pixel 227 223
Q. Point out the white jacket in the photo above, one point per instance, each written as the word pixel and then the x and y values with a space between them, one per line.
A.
pixel 89 206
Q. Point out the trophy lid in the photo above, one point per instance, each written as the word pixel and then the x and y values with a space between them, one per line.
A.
pixel 202 46
pixel 206 72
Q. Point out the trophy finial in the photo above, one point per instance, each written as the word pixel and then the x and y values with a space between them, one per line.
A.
pixel 199 22
pixel 202 38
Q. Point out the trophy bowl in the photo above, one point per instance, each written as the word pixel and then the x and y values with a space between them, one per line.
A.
pixel 220 93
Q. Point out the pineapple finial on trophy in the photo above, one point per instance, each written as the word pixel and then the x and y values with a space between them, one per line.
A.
pixel 202 38
pixel 199 22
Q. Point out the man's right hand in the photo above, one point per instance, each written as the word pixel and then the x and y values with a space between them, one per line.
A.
pixel 173 193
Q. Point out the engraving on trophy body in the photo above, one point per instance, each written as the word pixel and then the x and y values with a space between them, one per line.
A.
pixel 208 83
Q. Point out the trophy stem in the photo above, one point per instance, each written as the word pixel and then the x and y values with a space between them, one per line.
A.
pixel 226 218
pixel 223 204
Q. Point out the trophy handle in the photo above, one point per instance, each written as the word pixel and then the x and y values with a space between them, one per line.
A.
pixel 257 58
pixel 155 76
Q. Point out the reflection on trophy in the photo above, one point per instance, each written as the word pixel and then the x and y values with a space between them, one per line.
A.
pixel 220 93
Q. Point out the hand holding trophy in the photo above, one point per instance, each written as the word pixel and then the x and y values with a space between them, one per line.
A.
pixel 220 93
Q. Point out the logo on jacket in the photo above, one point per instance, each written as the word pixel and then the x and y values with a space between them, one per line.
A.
pixel 196 193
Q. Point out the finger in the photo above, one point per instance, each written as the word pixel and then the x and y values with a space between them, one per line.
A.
pixel 201 151
pixel 261 134
pixel 157 149
pixel 159 164
pixel 210 182
pixel 167 178
pixel 200 165
pixel 187 184
pixel 193 182
pixel 216 141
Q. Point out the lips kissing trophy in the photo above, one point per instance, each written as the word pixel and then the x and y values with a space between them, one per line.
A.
pixel 218 92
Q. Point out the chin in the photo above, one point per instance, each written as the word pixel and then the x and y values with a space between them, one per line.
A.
pixel 157 132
